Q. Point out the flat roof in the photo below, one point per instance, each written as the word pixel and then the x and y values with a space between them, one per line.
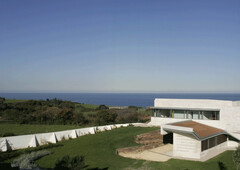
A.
pixel 185 108
pixel 201 130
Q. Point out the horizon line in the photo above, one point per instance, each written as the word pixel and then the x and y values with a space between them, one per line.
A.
pixel 124 92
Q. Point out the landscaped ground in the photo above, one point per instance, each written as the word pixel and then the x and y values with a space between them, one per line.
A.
pixel 99 151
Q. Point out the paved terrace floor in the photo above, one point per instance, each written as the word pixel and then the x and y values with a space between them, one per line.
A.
pixel 158 154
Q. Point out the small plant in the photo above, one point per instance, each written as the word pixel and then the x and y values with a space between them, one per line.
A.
pixel 74 163
pixel 26 161
pixel 63 138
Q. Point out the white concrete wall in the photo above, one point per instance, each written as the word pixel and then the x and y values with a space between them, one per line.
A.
pixel 186 146
pixel 232 144
pixel 158 121
pixel 230 119
pixel 192 103
pixel 236 103
pixel 33 140
pixel 229 112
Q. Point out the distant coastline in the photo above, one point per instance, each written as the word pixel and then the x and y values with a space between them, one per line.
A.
pixel 120 99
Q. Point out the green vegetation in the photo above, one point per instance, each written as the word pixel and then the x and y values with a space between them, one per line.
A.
pixel 236 157
pixel 14 101
pixel 99 151
pixel 34 116
pixel 8 129
pixel 26 161
pixel 70 163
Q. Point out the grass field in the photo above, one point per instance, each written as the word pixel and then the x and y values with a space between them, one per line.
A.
pixel 22 129
pixel 99 152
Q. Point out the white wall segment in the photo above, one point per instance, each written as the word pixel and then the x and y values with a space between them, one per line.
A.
pixel 192 103
pixel 4 145
pixel 186 145
pixel 33 140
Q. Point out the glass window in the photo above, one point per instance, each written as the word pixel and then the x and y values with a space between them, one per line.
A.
pixel 211 115
pixel 179 114
pixel 186 114
pixel 209 143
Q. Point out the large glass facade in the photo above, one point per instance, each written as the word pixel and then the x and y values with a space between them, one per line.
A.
pixel 186 114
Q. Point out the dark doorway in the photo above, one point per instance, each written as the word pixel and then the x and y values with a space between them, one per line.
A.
pixel 168 138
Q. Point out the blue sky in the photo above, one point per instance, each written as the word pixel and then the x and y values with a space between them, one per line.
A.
pixel 120 46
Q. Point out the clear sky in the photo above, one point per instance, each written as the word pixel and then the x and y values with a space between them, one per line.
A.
pixel 120 46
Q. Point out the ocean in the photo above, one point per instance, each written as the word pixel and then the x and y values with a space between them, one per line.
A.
pixel 120 99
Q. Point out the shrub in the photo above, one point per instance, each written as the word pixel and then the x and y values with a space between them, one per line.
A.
pixel 79 118
pixel 105 116
pixel 26 161
pixel 102 107
pixel 74 163
pixel 236 157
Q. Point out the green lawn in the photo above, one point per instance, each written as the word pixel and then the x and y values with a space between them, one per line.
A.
pixel 88 106
pixel 99 152
pixel 22 129
pixel 14 100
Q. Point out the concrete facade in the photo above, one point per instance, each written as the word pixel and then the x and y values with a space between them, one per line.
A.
pixel 185 145
pixel 229 112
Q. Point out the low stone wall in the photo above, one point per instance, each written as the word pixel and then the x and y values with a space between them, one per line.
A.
pixel 33 140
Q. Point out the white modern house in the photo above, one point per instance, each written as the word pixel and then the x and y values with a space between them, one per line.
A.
pixel 198 128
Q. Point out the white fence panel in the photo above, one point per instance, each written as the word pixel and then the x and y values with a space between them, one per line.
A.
pixel 33 140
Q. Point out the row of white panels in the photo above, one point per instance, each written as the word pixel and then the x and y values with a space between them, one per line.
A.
pixel 33 140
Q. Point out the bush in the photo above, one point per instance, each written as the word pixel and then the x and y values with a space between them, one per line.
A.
pixel 26 161
pixel 74 163
pixel 105 116
pixel 236 157
pixel 79 118
pixel 102 107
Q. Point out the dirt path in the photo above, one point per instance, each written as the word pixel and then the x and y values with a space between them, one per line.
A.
pixel 158 154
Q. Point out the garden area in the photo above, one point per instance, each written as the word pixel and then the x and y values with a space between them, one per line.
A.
pixel 99 152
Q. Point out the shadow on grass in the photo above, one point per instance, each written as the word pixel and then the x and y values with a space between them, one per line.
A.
pixel 221 166
pixel 6 166
pixel 13 154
